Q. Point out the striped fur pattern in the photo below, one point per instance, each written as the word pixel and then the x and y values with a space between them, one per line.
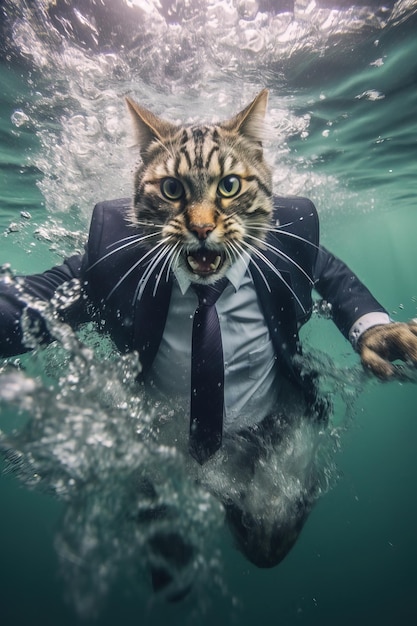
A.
pixel 203 194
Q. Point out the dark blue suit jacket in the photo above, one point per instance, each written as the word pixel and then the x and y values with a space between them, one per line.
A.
pixel 139 324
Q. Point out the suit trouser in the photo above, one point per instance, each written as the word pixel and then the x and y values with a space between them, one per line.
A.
pixel 270 480
pixel 267 478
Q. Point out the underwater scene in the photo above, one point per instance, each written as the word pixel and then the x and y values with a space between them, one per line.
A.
pixel 82 463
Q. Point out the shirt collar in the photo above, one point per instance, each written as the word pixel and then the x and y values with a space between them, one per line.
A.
pixel 235 274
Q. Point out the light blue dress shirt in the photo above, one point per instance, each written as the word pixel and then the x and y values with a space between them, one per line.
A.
pixel 252 383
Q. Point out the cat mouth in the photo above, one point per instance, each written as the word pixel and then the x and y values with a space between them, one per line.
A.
pixel 204 262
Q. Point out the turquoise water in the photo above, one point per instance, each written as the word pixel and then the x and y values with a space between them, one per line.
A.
pixel 343 102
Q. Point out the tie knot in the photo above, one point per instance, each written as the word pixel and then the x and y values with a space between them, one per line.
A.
pixel 209 294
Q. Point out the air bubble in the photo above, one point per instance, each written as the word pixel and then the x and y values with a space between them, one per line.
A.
pixel 19 118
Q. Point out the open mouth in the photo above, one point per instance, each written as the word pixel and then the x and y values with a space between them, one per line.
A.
pixel 204 262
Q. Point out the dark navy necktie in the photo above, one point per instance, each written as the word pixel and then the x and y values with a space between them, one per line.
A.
pixel 207 374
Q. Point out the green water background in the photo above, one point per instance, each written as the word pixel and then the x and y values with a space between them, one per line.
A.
pixel 355 561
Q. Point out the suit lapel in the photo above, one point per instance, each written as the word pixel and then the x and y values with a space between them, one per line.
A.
pixel 151 310
pixel 272 280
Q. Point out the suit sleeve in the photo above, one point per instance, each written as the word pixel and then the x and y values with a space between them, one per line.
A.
pixel 348 296
pixel 41 287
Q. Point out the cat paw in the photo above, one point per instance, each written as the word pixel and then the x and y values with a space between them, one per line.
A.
pixel 384 343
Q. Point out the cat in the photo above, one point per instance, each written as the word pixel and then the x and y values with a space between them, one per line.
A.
pixel 203 200
pixel 204 192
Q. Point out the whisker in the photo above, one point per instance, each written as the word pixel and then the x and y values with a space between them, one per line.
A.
pixel 262 275
pixel 140 223
pixel 274 269
pixel 134 266
pixel 167 260
pixel 240 251
pixel 277 224
pixel 122 240
pixel 147 274
pixel 235 252
pixel 286 225
pixel 138 239
pixel 282 255
pixel 174 259
pixel 274 223
pixel 232 257
pixel 126 245
pixel 294 236
pixel 283 232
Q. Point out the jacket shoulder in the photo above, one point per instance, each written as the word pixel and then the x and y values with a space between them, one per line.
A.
pixel 294 203
pixel 295 236
pixel 109 223
pixel 298 215
pixel 111 213
pixel 119 205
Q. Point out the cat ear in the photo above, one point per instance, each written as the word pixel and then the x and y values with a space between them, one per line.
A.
pixel 148 126
pixel 250 121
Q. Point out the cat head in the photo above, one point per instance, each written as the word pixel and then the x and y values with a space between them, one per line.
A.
pixel 202 192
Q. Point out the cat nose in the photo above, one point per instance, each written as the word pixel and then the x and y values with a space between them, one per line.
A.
pixel 202 231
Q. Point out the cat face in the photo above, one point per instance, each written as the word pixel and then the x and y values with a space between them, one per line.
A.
pixel 202 193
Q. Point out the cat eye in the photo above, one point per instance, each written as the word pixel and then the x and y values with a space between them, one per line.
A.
pixel 229 186
pixel 172 189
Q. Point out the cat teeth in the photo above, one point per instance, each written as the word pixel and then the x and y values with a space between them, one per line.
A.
pixel 193 264
pixel 216 263
pixel 196 266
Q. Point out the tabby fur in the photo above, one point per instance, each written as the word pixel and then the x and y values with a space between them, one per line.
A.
pixel 202 194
